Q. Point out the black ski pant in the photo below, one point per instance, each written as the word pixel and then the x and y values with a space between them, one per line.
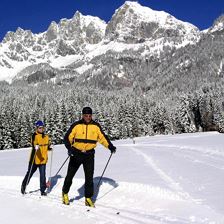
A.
pixel 87 160
pixel 31 170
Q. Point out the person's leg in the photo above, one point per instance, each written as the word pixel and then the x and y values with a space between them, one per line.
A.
pixel 88 165
pixel 42 170
pixel 31 170
pixel 73 166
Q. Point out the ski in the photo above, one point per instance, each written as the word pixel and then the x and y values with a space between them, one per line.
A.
pixel 33 194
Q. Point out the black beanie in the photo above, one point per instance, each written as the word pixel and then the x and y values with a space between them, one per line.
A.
pixel 87 110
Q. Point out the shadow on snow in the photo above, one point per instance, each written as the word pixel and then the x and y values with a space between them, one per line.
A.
pixel 109 181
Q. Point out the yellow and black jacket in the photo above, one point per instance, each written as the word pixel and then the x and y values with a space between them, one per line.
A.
pixel 84 137
pixel 43 141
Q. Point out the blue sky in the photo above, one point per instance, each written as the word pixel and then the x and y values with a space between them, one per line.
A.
pixel 36 15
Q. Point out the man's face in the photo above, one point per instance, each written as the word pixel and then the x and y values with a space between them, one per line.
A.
pixel 40 129
pixel 87 118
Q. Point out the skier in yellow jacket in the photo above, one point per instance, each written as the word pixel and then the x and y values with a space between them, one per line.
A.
pixel 38 158
pixel 81 140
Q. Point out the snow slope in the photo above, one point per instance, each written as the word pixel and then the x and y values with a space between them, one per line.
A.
pixel 161 179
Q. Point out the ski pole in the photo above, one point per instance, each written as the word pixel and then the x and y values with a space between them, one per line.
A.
pixel 49 181
pixel 30 169
pixel 104 170
pixel 62 166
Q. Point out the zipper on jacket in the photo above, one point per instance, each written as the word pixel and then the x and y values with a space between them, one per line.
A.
pixel 86 130
pixel 86 133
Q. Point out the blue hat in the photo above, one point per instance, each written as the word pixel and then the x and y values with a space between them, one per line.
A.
pixel 39 124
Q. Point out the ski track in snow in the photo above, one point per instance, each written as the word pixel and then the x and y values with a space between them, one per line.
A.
pixel 215 155
pixel 173 185
pixel 105 211
pixel 140 211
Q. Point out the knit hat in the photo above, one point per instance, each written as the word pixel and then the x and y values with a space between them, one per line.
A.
pixel 39 124
pixel 87 110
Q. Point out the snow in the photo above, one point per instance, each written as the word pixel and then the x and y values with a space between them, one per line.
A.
pixel 102 48
pixel 161 179
pixel 84 68
pixel 63 61
pixel 8 74
pixel 148 47
pixel 220 67
pixel 160 17
pixel 218 27
pixel 87 19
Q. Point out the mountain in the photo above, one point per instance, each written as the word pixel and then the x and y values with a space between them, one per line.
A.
pixel 218 25
pixel 24 51
pixel 139 47
pixel 133 23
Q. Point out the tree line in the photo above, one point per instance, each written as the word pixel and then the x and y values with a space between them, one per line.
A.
pixel 122 113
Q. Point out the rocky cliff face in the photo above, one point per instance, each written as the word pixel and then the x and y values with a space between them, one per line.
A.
pixel 133 23
pixel 139 48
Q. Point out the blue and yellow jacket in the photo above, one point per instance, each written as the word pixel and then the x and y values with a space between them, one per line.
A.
pixel 84 137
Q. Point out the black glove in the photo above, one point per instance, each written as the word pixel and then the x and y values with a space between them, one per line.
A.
pixel 112 148
pixel 50 148
pixel 70 152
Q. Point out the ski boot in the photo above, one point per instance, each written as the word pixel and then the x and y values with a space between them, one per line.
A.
pixel 89 202
pixel 44 193
pixel 65 199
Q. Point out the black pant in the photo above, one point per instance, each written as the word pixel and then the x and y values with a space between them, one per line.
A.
pixel 31 171
pixel 87 159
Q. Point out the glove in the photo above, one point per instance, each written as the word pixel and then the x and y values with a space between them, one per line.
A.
pixel 112 148
pixel 37 147
pixel 70 152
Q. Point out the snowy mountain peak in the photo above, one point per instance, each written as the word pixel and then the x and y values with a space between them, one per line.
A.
pixel 81 26
pixel 218 24
pixel 9 36
pixel 19 31
pixel 131 3
pixel 134 23
pixel 77 14
pixel 19 36
pixel 86 20
pixel 145 12
pixel 52 31
pixel 150 15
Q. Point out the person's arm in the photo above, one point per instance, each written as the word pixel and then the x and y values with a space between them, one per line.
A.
pixel 104 140
pixel 69 136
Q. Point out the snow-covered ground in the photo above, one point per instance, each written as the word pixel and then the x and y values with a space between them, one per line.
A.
pixel 161 179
